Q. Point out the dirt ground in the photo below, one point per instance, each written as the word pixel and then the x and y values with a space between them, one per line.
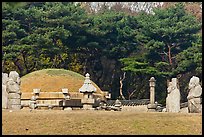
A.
pixel 88 122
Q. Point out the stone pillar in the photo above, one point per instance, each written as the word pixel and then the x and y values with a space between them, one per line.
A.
pixel 36 92
pixel 152 106
pixel 66 93
pixel 13 88
pixel 33 102
pixel 87 89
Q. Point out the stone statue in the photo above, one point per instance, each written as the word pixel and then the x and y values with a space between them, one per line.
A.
pixel 4 91
pixel 173 97
pixel 15 76
pixel 13 88
pixel 194 95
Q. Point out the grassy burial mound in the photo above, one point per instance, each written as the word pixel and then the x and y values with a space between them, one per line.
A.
pixel 53 80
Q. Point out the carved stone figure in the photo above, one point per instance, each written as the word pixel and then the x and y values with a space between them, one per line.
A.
pixel 13 88
pixel 15 76
pixel 194 95
pixel 173 97
pixel 4 91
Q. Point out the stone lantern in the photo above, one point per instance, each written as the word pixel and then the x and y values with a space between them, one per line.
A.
pixel 152 106
pixel 87 89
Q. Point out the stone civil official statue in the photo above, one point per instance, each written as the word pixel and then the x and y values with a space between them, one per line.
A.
pixel 194 95
pixel 173 97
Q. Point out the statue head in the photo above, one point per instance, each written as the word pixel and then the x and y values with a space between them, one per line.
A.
pixel 15 76
pixel 194 81
pixel 171 87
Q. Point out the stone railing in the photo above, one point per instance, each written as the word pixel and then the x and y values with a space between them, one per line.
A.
pixel 129 102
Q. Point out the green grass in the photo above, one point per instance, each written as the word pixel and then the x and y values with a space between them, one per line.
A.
pixel 54 72
pixel 64 72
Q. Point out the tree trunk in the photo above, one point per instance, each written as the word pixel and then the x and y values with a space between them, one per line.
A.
pixel 169 55
pixel 121 85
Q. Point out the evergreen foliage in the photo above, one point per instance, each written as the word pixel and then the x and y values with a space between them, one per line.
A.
pixel 166 44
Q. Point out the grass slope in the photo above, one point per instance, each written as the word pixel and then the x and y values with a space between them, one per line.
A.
pixel 53 80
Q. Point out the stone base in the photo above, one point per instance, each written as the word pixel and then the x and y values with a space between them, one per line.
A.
pixel 87 106
pixel 67 108
pixel 151 107
pixel 15 107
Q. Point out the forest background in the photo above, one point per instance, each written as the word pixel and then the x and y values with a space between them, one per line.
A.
pixel 120 49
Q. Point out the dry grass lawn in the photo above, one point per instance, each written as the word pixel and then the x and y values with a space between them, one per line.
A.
pixel 81 122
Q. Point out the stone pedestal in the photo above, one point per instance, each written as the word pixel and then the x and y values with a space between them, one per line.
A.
pixel 152 107
pixel 87 102
pixel 68 108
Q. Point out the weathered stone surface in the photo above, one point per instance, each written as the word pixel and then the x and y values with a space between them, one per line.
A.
pixel 67 108
pixel 4 91
pixel 15 76
pixel 14 101
pixel 152 106
pixel 87 89
pixel 4 97
pixel 194 95
pixel 32 103
pixel 87 86
pixel 12 86
pixel 87 101
pixel 13 89
pixel 16 107
pixel 65 91
pixel 14 96
pixel 173 97
pixel 87 107
pixel 4 78
pixel 118 103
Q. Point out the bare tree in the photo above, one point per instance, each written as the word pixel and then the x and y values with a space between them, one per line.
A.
pixel 121 85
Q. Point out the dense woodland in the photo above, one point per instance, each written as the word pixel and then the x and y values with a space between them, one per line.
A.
pixel 121 51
